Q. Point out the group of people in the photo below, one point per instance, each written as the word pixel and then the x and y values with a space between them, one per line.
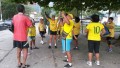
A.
pixel 64 28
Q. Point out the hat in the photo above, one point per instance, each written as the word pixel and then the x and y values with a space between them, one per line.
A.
pixel 70 15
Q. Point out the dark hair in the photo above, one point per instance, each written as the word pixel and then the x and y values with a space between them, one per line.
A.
pixel 111 18
pixel 20 8
pixel 77 19
pixel 95 18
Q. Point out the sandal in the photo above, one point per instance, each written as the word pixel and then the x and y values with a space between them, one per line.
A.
pixel 19 66
pixel 25 66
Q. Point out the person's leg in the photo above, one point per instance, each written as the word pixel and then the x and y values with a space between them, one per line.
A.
pixel 90 52
pixel 55 38
pixel 25 54
pixel 19 55
pixel 50 41
pixel 109 44
pixel 68 53
pixel 31 45
pixel 97 46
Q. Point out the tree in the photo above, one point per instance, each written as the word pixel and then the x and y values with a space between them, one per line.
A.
pixel 8 10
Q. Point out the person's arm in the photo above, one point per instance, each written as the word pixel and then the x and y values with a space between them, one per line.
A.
pixel 65 18
pixel 28 22
pixel 103 32
pixel 46 16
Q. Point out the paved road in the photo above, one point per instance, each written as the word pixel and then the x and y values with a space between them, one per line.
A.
pixel 52 58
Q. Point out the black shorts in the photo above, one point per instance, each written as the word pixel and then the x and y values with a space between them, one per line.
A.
pixel 93 46
pixel 109 40
pixel 75 36
pixel 42 33
pixel 53 32
pixel 20 44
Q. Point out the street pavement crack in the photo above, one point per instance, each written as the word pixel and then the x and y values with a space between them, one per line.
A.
pixel 54 58
pixel 6 55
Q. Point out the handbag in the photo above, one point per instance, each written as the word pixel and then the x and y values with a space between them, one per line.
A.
pixel 64 34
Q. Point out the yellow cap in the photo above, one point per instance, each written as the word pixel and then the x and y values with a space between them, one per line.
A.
pixel 70 15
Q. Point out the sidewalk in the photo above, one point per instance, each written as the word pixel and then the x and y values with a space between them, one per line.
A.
pixel 52 58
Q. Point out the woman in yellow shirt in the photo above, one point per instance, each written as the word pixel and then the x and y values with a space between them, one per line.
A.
pixel 94 31
pixel 42 30
pixel 66 41
pixel 76 30
pixel 53 29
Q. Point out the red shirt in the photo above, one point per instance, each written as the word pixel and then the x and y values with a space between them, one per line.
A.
pixel 21 24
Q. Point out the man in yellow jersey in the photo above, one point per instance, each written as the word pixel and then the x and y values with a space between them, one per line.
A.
pixel 94 31
pixel 111 27
pixel 66 43
pixel 53 29
pixel 31 35
pixel 76 30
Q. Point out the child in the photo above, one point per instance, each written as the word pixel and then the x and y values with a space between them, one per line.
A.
pixel 31 35
pixel 42 30
pixel 111 27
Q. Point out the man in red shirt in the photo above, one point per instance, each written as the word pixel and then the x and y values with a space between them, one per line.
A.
pixel 21 23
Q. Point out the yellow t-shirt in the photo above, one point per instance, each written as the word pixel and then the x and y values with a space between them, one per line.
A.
pixel 68 29
pixel 59 27
pixel 94 30
pixel 32 31
pixel 77 28
pixel 53 25
pixel 41 27
pixel 112 30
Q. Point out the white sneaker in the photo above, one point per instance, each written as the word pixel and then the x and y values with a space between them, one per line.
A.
pixel 42 42
pixel 97 62
pixel 89 63
pixel 65 56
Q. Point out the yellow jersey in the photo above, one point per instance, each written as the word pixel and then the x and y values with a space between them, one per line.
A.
pixel 41 26
pixel 112 30
pixel 94 30
pixel 32 31
pixel 68 29
pixel 53 25
pixel 77 28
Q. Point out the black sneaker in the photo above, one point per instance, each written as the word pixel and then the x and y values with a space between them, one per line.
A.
pixel 76 48
pixel 49 47
pixel 65 60
pixel 55 46
pixel 36 48
pixel 67 65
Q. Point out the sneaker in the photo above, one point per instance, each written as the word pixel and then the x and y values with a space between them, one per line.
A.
pixel 36 48
pixel 55 46
pixel 67 65
pixel 76 48
pixel 49 47
pixel 110 50
pixel 65 56
pixel 65 60
pixel 89 63
pixel 97 62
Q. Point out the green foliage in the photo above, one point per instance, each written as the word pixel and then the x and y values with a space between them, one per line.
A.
pixel 8 10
